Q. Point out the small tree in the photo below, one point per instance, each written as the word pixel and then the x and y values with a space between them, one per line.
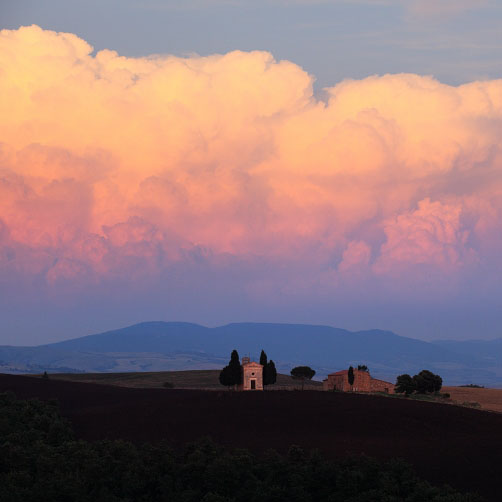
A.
pixel 438 383
pixel 302 373
pixel 421 384
pixel 45 376
pixel 405 384
pixel 426 381
pixel 362 367
pixel 350 376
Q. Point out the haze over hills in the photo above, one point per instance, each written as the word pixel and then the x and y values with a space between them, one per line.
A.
pixel 157 346
pixel 489 350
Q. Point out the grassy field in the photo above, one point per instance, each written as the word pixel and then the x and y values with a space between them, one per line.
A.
pixel 488 399
pixel 195 379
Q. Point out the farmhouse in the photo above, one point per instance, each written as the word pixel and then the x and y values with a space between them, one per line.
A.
pixel 363 382
pixel 252 375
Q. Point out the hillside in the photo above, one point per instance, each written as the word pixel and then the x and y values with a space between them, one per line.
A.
pixel 195 379
pixel 445 444
pixel 161 346
pixel 489 350
pixel 487 399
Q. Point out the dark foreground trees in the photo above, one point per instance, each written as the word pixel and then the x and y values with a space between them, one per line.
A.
pixel 422 383
pixel 40 461
pixel 302 373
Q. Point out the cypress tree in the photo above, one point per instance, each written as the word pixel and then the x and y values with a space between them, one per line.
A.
pixel 350 376
pixel 235 368
pixel 263 362
pixel 231 375
pixel 226 377
pixel 271 373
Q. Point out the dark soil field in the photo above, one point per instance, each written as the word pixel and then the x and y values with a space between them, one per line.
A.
pixel 446 444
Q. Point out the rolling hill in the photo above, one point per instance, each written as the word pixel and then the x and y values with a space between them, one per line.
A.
pixel 161 346
pixel 191 379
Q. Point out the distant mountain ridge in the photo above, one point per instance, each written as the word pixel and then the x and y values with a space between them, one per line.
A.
pixel 157 346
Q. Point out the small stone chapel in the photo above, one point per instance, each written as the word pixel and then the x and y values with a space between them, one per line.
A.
pixel 252 375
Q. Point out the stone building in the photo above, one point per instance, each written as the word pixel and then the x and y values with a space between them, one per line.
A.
pixel 252 375
pixel 363 382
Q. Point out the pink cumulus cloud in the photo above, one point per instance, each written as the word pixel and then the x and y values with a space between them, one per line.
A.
pixel 130 168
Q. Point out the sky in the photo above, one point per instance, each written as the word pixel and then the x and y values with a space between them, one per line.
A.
pixel 327 162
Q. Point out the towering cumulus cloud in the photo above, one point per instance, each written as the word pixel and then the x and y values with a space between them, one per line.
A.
pixel 146 170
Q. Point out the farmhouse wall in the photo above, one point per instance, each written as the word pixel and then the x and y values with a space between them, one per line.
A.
pixel 381 386
pixel 363 382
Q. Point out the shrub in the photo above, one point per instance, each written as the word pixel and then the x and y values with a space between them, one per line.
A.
pixel 471 404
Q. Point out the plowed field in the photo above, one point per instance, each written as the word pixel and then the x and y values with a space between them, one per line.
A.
pixel 446 444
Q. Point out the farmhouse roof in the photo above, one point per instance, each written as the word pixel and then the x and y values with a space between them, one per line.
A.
pixel 341 372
